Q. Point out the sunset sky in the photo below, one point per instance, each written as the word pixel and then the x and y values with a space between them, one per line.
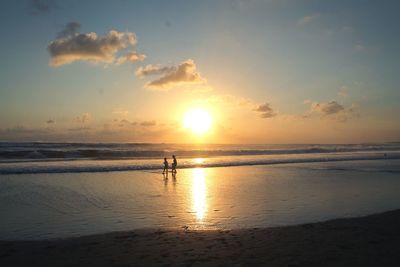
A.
pixel 272 71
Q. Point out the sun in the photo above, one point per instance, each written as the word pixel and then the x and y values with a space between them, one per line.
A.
pixel 197 120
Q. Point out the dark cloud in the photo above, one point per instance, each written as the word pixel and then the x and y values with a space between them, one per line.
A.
pixel 23 130
pixel 125 123
pixel 171 76
pixel 70 30
pixel 40 7
pixel 333 110
pixel 265 111
pixel 148 123
pixel 71 46
pixel 79 129
pixel 327 108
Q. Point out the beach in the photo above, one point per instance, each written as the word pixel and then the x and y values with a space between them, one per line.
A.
pixel 366 241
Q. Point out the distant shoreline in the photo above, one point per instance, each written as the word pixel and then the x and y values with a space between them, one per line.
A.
pixel 363 241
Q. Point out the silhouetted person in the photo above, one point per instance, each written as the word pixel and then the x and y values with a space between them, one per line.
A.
pixel 174 164
pixel 165 170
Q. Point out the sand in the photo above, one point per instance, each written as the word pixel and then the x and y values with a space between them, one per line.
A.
pixel 366 241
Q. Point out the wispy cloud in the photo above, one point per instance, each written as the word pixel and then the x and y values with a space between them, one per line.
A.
pixel 23 130
pixel 148 123
pixel 71 46
pixel 70 29
pixel 343 91
pixel 41 7
pixel 120 112
pixel 183 74
pixel 84 118
pixel 79 129
pixel 308 19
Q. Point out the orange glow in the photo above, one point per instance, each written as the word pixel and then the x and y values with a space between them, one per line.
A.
pixel 198 121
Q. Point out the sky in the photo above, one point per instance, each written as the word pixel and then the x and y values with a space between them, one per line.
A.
pixel 266 71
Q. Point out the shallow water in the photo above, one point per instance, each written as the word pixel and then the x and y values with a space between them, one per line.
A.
pixel 36 206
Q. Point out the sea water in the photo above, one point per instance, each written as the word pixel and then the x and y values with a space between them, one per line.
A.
pixel 222 187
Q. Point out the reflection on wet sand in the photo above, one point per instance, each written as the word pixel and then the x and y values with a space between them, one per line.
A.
pixel 199 192
pixel 173 176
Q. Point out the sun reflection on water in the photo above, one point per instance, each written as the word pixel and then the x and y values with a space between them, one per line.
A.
pixel 199 192
pixel 198 161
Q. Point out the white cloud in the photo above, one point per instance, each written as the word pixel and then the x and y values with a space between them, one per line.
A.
pixel 71 46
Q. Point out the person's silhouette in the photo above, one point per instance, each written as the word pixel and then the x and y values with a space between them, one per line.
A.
pixel 165 170
pixel 174 164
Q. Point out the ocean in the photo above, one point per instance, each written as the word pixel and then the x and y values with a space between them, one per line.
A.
pixel 57 190
pixel 39 157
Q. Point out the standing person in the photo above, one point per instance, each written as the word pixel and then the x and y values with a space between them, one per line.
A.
pixel 174 164
pixel 165 170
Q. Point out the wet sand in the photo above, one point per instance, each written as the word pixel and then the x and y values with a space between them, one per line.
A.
pixel 366 241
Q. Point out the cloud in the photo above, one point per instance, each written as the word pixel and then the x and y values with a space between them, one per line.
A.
pixel 265 111
pixel 41 7
pixel 120 112
pixel 308 19
pixel 327 108
pixel 50 121
pixel 71 46
pixel 124 123
pixel 333 110
pixel 153 70
pixel 84 118
pixel 231 100
pixel 183 74
pixel 21 130
pixel 131 57
pixel 148 123
pixel 79 129
pixel 343 91
pixel 360 48
pixel 69 30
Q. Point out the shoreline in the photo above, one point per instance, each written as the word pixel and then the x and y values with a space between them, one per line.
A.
pixel 362 241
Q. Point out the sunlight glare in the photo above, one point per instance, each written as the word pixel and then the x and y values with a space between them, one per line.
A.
pixel 197 120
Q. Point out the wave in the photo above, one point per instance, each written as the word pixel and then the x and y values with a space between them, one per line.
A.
pixel 51 151
pixel 81 166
